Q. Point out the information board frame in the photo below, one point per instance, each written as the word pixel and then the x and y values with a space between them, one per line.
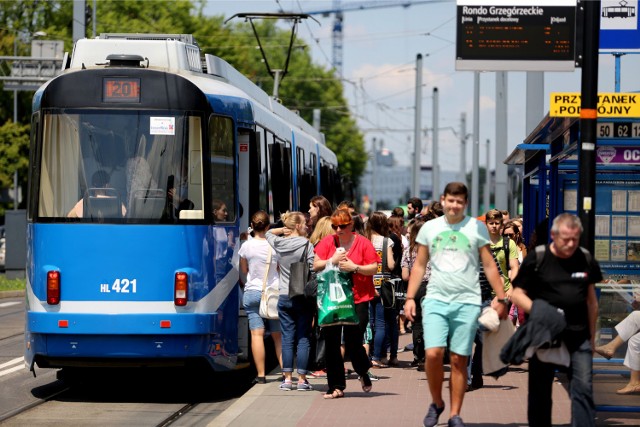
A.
pixel 516 35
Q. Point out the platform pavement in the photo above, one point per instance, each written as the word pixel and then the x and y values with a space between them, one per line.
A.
pixel 400 397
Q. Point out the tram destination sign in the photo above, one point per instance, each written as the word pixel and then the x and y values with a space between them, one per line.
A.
pixel 515 35
pixel 615 104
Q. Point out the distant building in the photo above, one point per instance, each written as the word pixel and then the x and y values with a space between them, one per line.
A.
pixel 388 184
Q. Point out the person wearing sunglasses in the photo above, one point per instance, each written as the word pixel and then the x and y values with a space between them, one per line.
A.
pixel 512 230
pixel 359 258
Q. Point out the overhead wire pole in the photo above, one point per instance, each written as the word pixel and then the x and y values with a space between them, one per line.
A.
pixel 463 147
pixel 415 187
pixel 475 173
pixel 486 199
pixel 588 122
pixel 435 168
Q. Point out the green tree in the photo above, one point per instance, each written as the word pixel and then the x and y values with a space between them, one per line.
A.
pixel 14 155
pixel 306 86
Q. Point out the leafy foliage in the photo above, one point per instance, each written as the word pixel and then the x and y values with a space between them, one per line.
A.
pixel 14 153
pixel 305 87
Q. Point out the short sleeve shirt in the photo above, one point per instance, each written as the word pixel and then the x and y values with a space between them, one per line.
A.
pixel 453 252
pixel 361 252
pixel 408 258
pixel 381 274
pixel 563 283
pixel 498 253
pixel 256 251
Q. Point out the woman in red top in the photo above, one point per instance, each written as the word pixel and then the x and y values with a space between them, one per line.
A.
pixel 360 258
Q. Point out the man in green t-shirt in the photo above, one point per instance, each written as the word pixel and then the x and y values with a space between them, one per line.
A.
pixel 455 244
pixel 500 247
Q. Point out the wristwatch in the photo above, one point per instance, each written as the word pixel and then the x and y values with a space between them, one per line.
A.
pixel 357 268
pixel 504 300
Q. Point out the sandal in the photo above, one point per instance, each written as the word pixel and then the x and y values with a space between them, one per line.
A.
pixel 366 383
pixel 378 365
pixel 335 394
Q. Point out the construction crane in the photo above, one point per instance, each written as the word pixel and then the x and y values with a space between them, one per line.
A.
pixel 338 10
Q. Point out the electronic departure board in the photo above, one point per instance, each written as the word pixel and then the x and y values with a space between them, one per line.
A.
pixel 520 37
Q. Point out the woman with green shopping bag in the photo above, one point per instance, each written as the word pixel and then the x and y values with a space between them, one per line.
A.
pixel 354 254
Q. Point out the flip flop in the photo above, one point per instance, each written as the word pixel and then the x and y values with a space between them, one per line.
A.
pixel 335 394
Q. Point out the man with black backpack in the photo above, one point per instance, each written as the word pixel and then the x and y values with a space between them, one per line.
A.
pixel 556 287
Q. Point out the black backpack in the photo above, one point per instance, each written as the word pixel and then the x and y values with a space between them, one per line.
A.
pixel 541 249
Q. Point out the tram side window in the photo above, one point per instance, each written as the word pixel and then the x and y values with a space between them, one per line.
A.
pixel 33 171
pixel 313 160
pixel 280 158
pixel 222 169
pixel 263 193
pixel 274 171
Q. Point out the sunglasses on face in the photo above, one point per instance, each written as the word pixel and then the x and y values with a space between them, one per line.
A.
pixel 509 234
pixel 342 226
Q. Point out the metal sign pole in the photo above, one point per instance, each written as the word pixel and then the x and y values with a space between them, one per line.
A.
pixel 588 123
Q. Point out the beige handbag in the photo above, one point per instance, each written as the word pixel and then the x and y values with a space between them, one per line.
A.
pixel 269 298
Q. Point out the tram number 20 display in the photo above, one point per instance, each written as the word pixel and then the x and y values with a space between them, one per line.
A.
pixel 619 130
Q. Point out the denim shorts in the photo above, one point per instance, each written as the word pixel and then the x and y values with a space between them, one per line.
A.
pixel 453 320
pixel 251 304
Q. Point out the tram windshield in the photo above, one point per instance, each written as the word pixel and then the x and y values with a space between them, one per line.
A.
pixel 140 166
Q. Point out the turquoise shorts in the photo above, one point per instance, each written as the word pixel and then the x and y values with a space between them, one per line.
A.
pixel 455 321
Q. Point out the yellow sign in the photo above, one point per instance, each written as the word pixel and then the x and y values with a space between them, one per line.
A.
pixel 567 104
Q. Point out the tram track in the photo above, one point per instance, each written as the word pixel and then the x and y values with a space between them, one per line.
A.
pixel 177 415
pixel 158 398
pixel 16 412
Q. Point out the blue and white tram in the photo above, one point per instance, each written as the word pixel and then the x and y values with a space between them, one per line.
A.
pixel 146 164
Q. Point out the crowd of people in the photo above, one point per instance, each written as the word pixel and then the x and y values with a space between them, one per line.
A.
pixel 449 268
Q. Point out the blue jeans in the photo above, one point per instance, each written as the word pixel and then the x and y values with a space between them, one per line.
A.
pixel 384 324
pixel 583 412
pixel 295 323
pixel 251 304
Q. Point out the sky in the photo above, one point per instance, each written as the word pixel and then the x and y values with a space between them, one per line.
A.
pixel 380 46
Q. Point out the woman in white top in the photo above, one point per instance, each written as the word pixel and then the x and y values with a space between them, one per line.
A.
pixel 253 264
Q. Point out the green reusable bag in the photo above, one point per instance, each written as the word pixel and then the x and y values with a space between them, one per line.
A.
pixel 335 298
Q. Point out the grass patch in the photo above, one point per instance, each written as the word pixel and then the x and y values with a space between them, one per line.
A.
pixel 12 284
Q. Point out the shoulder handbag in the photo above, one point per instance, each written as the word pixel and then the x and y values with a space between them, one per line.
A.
pixel 299 275
pixel 387 287
pixel 269 298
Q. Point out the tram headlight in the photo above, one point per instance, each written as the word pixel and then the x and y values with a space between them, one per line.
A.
pixel 53 287
pixel 181 289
